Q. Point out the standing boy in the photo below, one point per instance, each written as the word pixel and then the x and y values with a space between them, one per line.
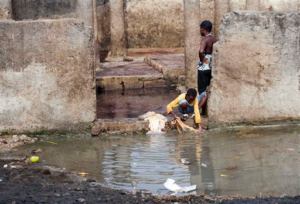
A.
pixel 205 56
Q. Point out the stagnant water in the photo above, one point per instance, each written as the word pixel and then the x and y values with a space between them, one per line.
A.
pixel 245 161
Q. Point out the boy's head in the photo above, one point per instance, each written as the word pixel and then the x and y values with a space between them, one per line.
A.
pixel 205 27
pixel 191 95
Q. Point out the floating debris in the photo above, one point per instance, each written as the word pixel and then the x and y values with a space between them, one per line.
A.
pixel 52 143
pixel 232 167
pixel 172 186
pixel 83 174
pixel 35 151
pixel 34 159
pixel 185 162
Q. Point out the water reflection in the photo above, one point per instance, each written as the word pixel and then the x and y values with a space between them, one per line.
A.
pixel 267 160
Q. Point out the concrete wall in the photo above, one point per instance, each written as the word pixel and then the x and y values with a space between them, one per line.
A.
pixel 256 72
pixel 5 9
pixel 47 73
pixel 37 9
pixel 224 6
pixel 154 23
pixel 103 16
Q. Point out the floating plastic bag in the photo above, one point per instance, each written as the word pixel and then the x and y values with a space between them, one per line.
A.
pixel 172 186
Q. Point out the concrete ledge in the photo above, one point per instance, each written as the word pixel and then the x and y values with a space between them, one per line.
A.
pixel 119 126
pixel 171 71
pixel 131 82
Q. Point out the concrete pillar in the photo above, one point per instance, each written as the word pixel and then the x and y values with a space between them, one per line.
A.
pixel 238 5
pixel 208 11
pixel 191 41
pixel 253 5
pixel 117 28
pixel 96 47
pixel 221 7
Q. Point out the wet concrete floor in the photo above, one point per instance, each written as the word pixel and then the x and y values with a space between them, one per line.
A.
pixel 133 103
pixel 251 161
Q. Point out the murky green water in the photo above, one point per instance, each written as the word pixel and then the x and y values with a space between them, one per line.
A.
pixel 267 160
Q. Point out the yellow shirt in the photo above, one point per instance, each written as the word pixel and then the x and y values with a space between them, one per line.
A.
pixel 175 103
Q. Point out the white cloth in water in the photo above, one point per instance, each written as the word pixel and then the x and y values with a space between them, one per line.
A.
pixel 156 123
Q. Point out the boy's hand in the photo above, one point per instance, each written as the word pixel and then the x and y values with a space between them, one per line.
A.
pixel 200 127
pixel 175 116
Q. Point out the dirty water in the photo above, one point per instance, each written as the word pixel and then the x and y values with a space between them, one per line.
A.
pixel 246 161
pixel 133 103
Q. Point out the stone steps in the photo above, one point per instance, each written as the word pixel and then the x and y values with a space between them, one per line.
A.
pixel 129 75
pixel 152 71
pixel 170 65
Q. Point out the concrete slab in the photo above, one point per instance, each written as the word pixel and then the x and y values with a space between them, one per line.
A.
pixel 119 126
pixel 131 126
pixel 170 65
pixel 129 75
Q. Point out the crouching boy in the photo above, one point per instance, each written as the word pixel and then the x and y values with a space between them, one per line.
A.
pixel 186 103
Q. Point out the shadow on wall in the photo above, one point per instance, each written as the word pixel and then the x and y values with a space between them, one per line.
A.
pixel 43 9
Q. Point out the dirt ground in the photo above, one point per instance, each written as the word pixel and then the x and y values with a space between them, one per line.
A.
pixel 25 182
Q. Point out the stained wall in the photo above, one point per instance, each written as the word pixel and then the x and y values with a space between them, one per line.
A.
pixel 47 73
pixel 256 69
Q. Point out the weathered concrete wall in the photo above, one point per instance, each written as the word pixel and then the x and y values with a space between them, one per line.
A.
pixel 154 23
pixel 256 72
pixel 5 9
pixel 117 29
pixel 46 74
pixel 224 6
pixel 37 9
pixel 103 16
pixel 191 44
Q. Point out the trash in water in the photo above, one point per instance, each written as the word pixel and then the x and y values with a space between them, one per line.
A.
pixel 35 151
pixel 232 167
pixel 51 142
pixel 184 161
pixel 47 172
pixel 227 176
pixel 172 186
pixel 5 166
pixel 290 149
pixel 203 165
pixel 1 179
pixel 83 174
pixel 34 159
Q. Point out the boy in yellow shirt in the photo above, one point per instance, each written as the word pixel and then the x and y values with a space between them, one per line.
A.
pixel 187 103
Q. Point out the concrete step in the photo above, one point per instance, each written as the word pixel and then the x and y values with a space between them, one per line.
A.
pixel 170 65
pixel 129 75
pixel 119 126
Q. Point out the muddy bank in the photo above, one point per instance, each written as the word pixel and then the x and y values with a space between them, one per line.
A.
pixel 25 182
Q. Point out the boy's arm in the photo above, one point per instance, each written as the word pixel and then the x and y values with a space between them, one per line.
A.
pixel 171 105
pixel 197 115
pixel 202 50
